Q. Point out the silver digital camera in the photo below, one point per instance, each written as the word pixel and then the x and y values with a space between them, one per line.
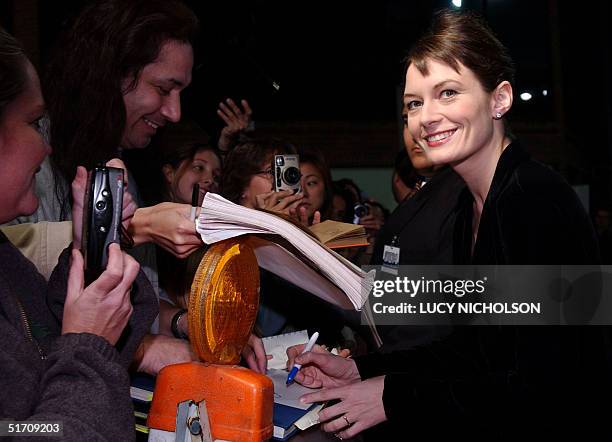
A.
pixel 101 216
pixel 287 173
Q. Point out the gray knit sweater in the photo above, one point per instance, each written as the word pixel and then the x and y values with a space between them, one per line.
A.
pixel 83 380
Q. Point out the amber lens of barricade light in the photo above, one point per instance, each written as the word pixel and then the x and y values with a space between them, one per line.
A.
pixel 224 301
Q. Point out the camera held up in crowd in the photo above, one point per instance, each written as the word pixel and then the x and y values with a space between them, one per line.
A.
pixel 101 216
pixel 287 173
pixel 360 210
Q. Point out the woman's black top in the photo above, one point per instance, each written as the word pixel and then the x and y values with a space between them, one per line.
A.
pixel 499 382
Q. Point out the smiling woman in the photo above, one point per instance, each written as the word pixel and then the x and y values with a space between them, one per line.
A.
pixel 458 90
pixel 513 211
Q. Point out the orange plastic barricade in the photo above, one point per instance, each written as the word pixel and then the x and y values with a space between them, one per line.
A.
pixel 239 401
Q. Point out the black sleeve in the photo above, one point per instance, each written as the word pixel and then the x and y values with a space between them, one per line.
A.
pixel 486 376
pixel 442 380
pixel 547 227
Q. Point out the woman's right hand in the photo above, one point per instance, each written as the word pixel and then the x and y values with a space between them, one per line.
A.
pixel 103 308
pixel 285 202
pixel 321 368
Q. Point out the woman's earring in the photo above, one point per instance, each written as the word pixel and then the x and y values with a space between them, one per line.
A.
pixel 498 115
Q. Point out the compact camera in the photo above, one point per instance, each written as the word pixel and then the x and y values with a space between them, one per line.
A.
pixel 287 173
pixel 359 211
pixel 101 216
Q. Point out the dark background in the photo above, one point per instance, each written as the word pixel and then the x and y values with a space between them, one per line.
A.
pixel 339 68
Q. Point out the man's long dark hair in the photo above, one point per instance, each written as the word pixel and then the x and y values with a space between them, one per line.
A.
pixel 13 75
pixel 110 41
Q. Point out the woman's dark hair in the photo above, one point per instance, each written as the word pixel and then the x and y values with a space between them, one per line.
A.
pixel 110 41
pixel 463 37
pixel 12 70
pixel 315 157
pixel 382 208
pixel 246 160
pixel 348 198
pixel 351 186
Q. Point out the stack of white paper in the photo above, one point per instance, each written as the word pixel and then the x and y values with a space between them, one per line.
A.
pixel 309 264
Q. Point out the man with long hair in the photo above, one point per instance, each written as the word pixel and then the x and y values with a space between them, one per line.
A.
pixel 115 78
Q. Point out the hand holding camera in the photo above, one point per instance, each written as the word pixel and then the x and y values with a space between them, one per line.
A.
pixel 99 206
pixel 103 308
pixel 366 215
pixel 282 202
pixel 102 217
pixel 79 185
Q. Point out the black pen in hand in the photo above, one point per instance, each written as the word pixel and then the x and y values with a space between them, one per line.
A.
pixel 195 199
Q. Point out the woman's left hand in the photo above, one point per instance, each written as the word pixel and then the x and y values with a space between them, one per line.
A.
pixel 283 202
pixel 360 407
pixel 255 355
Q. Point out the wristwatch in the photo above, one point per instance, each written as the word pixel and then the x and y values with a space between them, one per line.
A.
pixel 174 324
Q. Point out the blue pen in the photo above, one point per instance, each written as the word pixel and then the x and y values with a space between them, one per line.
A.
pixel 296 367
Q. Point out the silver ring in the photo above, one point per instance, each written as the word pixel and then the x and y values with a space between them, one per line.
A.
pixel 346 420
pixel 338 436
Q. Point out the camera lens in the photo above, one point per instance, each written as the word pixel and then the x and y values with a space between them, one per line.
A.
pixel 292 175
pixel 100 205
pixel 360 210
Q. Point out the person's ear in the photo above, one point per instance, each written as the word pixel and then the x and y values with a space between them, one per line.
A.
pixel 168 172
pixel 502 99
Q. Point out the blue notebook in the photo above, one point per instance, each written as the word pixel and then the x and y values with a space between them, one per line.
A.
pixel 284 419
pixel 141 390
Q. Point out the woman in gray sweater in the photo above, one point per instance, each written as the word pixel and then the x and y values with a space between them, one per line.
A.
pixel 64 348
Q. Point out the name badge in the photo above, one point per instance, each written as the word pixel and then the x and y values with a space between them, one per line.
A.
pixel 391 257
